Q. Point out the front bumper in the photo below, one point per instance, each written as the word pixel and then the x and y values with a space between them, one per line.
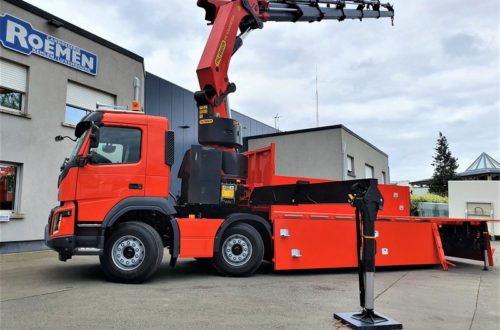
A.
pixel 64 245
pixel 60 231
pixel 62 236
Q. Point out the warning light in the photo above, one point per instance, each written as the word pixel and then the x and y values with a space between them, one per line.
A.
pixel 136 106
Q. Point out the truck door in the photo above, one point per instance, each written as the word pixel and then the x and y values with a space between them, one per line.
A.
pixel 115 170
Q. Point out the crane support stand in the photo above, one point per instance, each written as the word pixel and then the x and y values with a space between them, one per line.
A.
pixel 367 201
pixel 485 245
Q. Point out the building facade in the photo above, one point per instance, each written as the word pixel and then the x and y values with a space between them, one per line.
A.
pixel 333 152
pixel 51 74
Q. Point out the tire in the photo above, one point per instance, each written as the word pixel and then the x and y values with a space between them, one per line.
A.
pixel 240 252
pixel 121 263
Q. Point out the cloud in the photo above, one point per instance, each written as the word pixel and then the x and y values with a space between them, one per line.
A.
pixel 462 44
pixel 436 70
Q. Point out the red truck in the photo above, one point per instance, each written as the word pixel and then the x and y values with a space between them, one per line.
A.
pixel 114 188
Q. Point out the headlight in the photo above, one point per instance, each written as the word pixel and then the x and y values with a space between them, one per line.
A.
pixel 57 223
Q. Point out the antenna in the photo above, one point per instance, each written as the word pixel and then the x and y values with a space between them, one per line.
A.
pixel 276 119
pixel 317 98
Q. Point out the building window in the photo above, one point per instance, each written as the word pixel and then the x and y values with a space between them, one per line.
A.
pixel 369 173
pixel 117 146
pixel 81 100
pixel 73 115
pixel 13 84
pixel 350 166
pixel 9 188
pixel 384 177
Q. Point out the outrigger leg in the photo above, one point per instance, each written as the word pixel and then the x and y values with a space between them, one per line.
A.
pixel 367 201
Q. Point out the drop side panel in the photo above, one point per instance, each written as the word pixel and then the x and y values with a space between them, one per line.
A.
pixel 331 243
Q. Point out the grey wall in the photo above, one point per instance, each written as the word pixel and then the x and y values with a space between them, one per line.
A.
pixel 311 154
pixel 318 153
pixel 365 153
pixel 163 98
pixel 29 140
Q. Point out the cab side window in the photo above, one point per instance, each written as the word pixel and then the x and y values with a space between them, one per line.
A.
pixel 117 145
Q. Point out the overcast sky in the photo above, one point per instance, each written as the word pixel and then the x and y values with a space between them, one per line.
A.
pixel 436 70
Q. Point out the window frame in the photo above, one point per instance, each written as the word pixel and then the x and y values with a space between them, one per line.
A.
pixel 24 94
pixel 350 160
pixel 80 87
pixel 16 209
pixel 87 111
pixel 384 177
pixel 23 102
pixel 123 127
pixel 372 171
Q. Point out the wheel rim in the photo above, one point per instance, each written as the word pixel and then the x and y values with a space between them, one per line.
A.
pixel 128 253
pixel 237 250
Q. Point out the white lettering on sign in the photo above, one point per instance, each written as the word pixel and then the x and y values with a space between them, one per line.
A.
pixel 16 31
pixel 20 36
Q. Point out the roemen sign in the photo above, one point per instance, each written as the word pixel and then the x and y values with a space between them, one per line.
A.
pixel 20 36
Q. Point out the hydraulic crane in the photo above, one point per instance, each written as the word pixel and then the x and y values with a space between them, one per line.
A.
pixel 230 17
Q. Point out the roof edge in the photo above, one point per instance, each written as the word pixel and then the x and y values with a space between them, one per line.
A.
pixel 479 172
pixel 317 129
pixel 73 28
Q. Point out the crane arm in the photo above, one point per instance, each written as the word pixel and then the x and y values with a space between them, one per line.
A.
pixel 231 20
pixel 318 10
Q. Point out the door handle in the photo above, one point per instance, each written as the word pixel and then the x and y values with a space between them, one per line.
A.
pixel 136 186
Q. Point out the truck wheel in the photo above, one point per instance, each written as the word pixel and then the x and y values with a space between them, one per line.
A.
pixel 132 253
pixel 241 251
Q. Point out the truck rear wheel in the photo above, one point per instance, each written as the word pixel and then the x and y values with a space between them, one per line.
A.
pixel 132 253
pixel 241 251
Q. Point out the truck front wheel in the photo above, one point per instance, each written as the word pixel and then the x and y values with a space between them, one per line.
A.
pixel 132 253
pixel 241 251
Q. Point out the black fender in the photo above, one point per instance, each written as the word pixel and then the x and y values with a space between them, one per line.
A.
pixel 158 204
pixel 246 218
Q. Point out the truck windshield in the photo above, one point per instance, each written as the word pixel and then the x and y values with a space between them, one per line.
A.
pixel 78 145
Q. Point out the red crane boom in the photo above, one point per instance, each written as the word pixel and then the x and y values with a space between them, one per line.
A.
pixel 230 17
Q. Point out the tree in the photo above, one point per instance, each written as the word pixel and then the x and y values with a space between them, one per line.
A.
pixel 445 167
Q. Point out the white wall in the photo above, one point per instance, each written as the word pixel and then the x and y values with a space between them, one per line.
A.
pixel 461 192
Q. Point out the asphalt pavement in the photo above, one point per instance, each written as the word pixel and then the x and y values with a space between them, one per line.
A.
pixel 39 292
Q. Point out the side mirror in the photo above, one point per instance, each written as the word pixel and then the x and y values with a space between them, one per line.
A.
pixel 94 136
pixel 59 138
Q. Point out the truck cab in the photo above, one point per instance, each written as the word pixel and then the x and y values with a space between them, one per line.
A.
pixel 119 170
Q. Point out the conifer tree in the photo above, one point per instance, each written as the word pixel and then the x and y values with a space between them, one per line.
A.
pixel 445 167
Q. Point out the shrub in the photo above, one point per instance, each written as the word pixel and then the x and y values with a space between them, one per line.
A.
pixel 430 198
